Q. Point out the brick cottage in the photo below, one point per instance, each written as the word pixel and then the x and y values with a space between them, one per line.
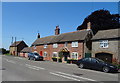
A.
pixel 65 46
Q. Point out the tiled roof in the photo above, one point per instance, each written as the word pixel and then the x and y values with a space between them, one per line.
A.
pixel 44 40
pixel 107 34
pixel 16 43
pixel 72 36
pixel 27 49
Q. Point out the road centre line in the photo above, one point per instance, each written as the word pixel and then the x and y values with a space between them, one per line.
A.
pixel 76 76
pixel 34 67
pixel 64 76
pixel 19 58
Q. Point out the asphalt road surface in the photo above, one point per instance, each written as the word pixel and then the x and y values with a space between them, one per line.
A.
pixel 22 69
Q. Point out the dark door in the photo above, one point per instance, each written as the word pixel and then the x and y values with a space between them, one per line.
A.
pixel 104 56
pixel 87 55
pixel 65 54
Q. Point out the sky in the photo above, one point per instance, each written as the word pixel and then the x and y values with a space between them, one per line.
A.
pixel 24 20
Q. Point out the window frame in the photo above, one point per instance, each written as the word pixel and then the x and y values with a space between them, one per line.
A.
pixel 44 54
pixel 74 44
pixel 104 44
pixel 75 57
pixel 55 45
pixel 45 45
pixel 55 53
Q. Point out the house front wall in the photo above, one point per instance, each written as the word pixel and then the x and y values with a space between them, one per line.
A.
pixel 41 50
pixel 50 50
pixel 111 49
pixel 13 50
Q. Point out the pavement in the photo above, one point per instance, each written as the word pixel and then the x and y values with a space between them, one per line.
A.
pixel 22 69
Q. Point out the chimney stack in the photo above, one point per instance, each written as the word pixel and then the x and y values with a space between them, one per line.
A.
pixel 88 25
pixel 38 35
pixel 57 30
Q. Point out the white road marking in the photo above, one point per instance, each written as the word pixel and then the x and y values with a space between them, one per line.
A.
pixel 64 76
pixel 19 58
pixel 10 61
pixel 76 76
pixel 34 67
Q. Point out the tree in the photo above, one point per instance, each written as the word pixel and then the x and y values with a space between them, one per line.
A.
pixel 3 51
pixel 101 20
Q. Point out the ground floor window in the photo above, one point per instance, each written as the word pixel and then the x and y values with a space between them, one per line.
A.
pixel 74 55
pixel 55 54
pixel 45 54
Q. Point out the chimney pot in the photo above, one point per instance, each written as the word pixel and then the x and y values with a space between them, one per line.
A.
pixel 38 35
pixel 88 25
pixel 57 30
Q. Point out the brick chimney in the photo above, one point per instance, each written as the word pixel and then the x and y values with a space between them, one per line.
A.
pixel 57 30
pixel 88 25
pixel 38 36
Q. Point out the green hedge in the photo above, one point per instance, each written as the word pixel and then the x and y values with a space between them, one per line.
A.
pixel 55 59
pixel 73 61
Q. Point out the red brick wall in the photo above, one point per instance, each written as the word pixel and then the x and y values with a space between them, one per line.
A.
pixel 50 50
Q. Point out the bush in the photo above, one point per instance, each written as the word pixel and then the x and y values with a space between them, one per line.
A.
pixel 55 59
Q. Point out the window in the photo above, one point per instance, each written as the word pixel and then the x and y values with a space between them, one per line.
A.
pixel 45 46
pixel 94 60
pixel 74 44
pixel 74 55
pixel 34 47
pixel 45 54
pixel 55 54
pixel 65 45
pixel 55 45
pixel 104 44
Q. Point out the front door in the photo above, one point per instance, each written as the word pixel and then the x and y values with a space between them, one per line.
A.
pixel 41 53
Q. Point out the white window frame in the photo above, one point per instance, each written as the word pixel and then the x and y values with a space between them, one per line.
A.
pixel 55 45
pixel 75 44
pixel 55 53
pixel 45 46
pixel 73 55
pixel 34 46
pixel 104 44
pixel 45 54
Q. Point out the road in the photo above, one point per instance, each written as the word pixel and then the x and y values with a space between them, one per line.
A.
pixel 21 69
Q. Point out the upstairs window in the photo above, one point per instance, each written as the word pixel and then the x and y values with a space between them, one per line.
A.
pixel 34 46
pixel 75 44
pixel 103 43
pixel 45 46
pixel 55 45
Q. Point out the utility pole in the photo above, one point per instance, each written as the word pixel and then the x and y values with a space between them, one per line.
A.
pixel 12 41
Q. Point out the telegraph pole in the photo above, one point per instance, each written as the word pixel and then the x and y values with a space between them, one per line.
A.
pixel 12 41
